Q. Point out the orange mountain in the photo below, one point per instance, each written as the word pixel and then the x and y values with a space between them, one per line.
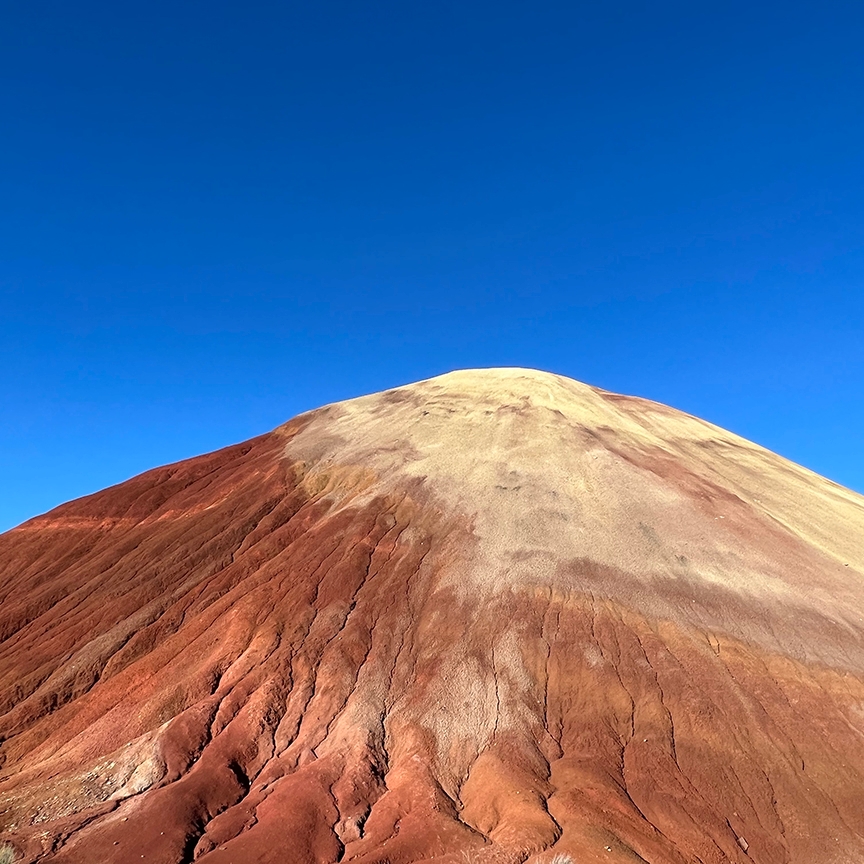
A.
pixel 495 617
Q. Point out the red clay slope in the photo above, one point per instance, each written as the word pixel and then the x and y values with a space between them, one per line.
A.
pixel 497 616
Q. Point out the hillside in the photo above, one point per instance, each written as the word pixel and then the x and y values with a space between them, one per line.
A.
pixel 492 617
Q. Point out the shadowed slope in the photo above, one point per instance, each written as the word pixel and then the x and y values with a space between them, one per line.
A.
pixel 491 617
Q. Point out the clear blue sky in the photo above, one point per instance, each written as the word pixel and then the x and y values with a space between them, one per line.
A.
pixel 217 215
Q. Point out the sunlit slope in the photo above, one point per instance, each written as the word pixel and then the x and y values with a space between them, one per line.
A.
pixel 494 616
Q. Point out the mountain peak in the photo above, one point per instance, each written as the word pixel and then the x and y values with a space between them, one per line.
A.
pixel 496 615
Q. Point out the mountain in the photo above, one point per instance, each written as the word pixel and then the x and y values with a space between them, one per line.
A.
pixel 498 616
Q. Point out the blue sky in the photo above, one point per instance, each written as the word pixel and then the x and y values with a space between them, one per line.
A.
pixel 214 216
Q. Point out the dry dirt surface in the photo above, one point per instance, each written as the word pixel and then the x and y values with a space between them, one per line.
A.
pixel 494 617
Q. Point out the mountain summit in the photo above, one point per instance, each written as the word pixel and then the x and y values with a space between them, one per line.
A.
pixel 497 616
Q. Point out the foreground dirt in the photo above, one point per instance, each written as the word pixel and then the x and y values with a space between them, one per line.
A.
pixel 493 617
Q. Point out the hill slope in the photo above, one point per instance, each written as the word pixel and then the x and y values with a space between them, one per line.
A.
pixel 491 617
